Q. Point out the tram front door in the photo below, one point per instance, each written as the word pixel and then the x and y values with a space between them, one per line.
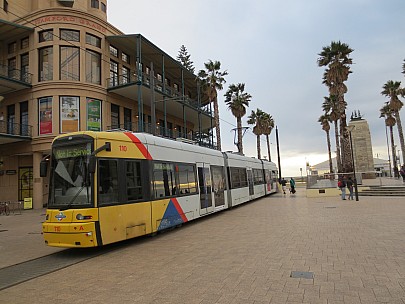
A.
pixel 205 184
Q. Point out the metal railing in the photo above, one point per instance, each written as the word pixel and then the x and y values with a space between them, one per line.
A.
pixel 120 80
pixel 165 132
pixel 15 74
pixel 12 128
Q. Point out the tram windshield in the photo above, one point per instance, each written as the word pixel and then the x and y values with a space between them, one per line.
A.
pixel 70 179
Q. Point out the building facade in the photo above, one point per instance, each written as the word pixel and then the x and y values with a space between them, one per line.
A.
pixel 64 68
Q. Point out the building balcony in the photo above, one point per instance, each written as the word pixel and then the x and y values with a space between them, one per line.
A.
pixel 12 80
pixel 14 132
pixel 190 137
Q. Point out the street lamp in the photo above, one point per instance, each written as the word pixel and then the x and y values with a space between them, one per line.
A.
pixel 356 192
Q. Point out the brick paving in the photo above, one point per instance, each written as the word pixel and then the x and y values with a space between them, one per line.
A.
pixel 355 251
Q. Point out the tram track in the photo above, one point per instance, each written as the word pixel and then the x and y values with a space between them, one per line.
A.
pixel 19 273
pixel 25 271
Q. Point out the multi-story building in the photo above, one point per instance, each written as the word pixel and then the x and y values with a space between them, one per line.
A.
pixel 64 68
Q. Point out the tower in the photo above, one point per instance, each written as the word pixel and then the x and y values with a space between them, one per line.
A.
pixel 362 148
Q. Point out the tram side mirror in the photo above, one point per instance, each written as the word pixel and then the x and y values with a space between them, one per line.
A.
pixel 43 168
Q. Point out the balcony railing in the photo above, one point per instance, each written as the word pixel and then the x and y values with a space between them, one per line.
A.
pixel 120 80
pixel 12 128
pixel 165 132
pixel 14 74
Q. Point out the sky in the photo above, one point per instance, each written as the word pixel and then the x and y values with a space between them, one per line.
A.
pixel 273 46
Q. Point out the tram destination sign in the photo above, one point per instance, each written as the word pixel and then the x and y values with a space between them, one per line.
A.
pixel 68 152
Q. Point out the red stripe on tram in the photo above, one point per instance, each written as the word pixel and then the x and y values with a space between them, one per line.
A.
pixel 139 145
pixel 179 210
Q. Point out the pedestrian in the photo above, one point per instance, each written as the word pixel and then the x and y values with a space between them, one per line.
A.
pixel 402 172
pixel 292 186
pixel 283 183
pixel 349 185
pixel 342 187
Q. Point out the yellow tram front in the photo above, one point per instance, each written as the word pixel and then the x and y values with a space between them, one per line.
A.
pixel 72 216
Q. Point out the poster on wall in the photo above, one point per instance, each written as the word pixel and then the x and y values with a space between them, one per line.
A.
pixel 45 115
pixel 69 114
pixel 93 114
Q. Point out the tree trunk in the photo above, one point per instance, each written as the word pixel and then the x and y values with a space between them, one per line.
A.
pixel 347 162
pixel 338 159
pixel 401 135
pixel 329 152
pixel 268 146
pixel 258 146
pixel 239 125
pixel 217 128
pixel 394 158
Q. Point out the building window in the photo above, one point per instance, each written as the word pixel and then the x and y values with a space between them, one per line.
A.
pixel 12 47
pixel 5 5
pixel 93 67
pixel 25 68
pixel 125 57
pixel 93 40
pixel 46 64
pixel 113 73
pixel 12 68
pixel 46 35
pixel 127 119
pixel 103 7
pixel 94 3
pixel 25 42
pixel 69 63
pixel 24 118
pixel 176 87
pixel 11 119
pixel 70 35
pixel 115 116
pixel 113 51
pixel 125 75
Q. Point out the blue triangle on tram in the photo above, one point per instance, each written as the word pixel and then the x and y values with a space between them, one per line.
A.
pixel 170 218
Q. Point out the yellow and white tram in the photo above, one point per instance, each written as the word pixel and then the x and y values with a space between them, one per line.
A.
pixel 106 187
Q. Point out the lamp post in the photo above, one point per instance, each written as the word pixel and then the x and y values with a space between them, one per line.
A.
pixel 356 192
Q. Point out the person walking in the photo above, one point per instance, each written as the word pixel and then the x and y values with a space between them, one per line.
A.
pixel 283 183
pixel 349 185
pixel 342 187
pixel 292 186
pixel 402 172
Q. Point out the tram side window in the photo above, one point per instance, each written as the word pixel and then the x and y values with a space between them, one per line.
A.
pixel 187 179
pixel 238 177
pixel 134 180
pixel 108 181
pixel 258 176
pixel 163 180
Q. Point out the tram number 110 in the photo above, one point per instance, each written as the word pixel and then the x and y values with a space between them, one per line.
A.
pixel 123 148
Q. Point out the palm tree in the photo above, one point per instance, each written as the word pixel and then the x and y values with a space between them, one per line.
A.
pixel 336 58
pixel 392 89
pixel 257 119
pixel 267 128
pixel 237 101
pixel 211 80
pixel 390 122
pixel 324 120
pixel 331 107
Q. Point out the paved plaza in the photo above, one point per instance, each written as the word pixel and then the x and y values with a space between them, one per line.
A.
pixel 339 251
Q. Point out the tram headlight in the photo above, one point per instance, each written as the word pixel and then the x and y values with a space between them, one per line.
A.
pixel 82 217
